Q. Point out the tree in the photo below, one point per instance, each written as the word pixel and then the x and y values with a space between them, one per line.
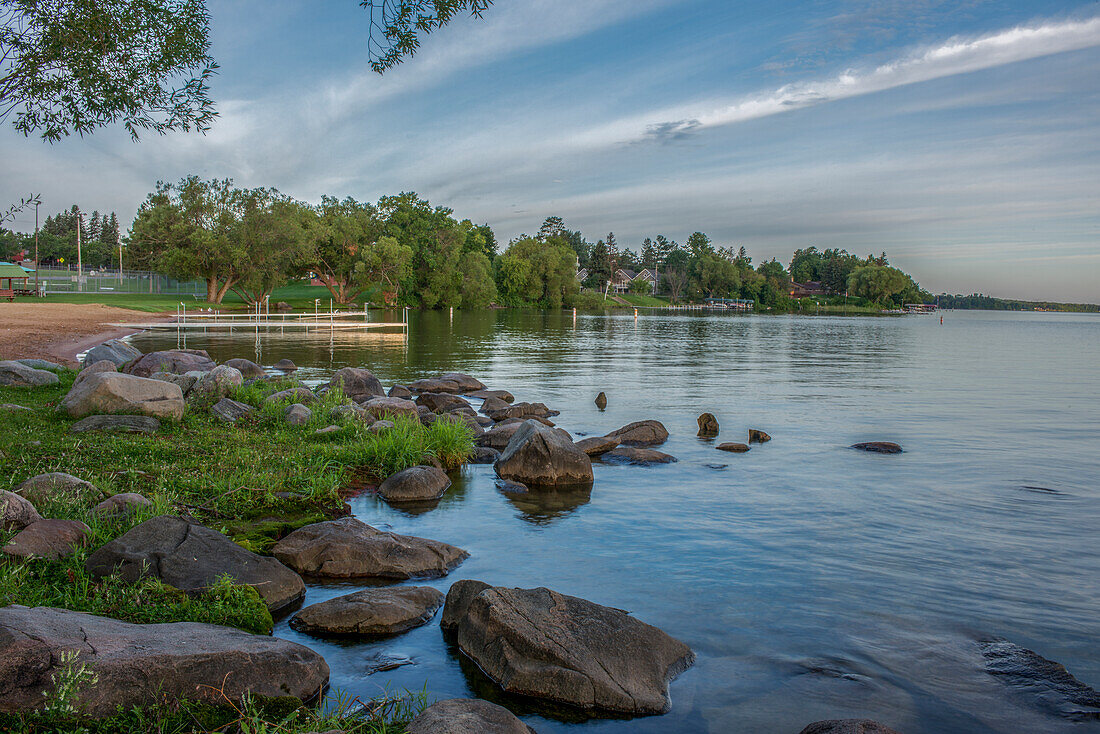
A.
pixel 540 273
pixel 717 276
pixel 480 238
pixel 277 234
pixel 395 25
pixel 599 266
pixel 838 265
pixel 676 274
pixel 476 284
pixel 551 227
pixel 664 248
pixel 649 253
pixel 807 265
pixel 386 263
pixel 698 245
pixel 877 282
pixel 345 230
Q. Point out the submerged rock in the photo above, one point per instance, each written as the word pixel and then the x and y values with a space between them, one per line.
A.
pixel 540 643
pixel 105 393
pixel 483 455
pixel 708 425
pixel 1055 687
pixel 847 726
pixel 640 457
pixel 348 547
pixel 17 374
pixel 286 365
pixel 878 447
pixel 543 456
pixel 735 448
pixel 177 361
pixel 466 716
pixel 117 424
pixel 501 394
pixel 372 611
pixel 247 368
pixel 50 539
pixel 115 351
pixel 16 512
pixel 641 433
pixel 415 484
pixel 146 664
pixel 191 557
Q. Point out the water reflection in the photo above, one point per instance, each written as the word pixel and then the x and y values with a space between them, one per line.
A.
pixel 541 506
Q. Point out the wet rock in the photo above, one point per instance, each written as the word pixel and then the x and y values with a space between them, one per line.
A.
pixel 500 394
pixel 636 456
pixel 498 436
pixel 543 456
pixel 597 445
pixel 847 726
pixel 357 383
pixel 465 383
pixel 390 408
pixel 483 455
pixel 138 664
pixel 247 368
pixel 301 395
pixel 373 611
pixel 1054 687
pixel 41 364
pixel 523 411
pixel 286 365
pixel 415 484
pixel 735 448
pixel 540 643
pixel 708 425
pixel 758 436
pixel 107 393
pixel 16 512
pixel 229 410
pixel 601 401
pixel 400 391
pixel 467 716
pixel 177 361
pixel 117 424
pixel 17 374
pixel 215 385
pixel 641 433
pixel 348 548
pixel 459 597
pixel 58 485
pixel 184 382
pixel 507 486
pixel 191 557
pixel 51 539
pixel 115 351
pixel 103 365
pixel 491 404
pixel 484 421
pixel 435 384
pixel 878 447
pixel 439 402
pixel 121 504
pixel 297 414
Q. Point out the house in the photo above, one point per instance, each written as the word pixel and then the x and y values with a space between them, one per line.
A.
pixel 623 277
pixel 808 289
pixel 582 274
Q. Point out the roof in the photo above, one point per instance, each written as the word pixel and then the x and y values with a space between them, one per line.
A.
pixel 8 270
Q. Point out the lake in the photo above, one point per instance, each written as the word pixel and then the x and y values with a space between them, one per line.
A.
pixel 813 581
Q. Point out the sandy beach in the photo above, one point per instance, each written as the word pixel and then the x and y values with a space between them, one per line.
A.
pixel 60 331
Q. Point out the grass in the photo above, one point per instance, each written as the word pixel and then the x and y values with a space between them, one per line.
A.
pixel 643 300
pixel 299 296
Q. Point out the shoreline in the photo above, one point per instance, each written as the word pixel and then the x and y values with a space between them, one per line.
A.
pixel 61 331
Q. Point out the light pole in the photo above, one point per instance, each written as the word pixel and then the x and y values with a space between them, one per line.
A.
pixel 37 292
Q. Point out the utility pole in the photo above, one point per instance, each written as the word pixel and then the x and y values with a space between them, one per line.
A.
pixel 79 259
pixel 37 292
pixel 120 260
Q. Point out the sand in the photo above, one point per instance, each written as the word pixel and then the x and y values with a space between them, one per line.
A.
pixel 60 331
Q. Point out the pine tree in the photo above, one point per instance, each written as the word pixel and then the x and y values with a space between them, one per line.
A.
pixel 612 252
pixel 649 253
pixel 93 226
pixel 109 230
pixel 552 227
pixel 664 249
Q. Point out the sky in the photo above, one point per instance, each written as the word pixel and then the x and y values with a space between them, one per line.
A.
pixel 961 138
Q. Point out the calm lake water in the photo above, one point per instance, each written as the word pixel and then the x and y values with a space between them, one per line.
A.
pixel 813 581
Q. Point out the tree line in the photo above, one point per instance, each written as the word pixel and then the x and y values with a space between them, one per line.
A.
pixel 57 240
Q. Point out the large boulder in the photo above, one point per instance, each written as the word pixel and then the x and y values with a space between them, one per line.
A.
pixel 191 558
pixel 16 512
pixel 542 456
pixel 435 384
pixel 465 382
pixel 50 539
pixel 372 611
pixel 103 365
pixel 176 361
pixel 400 391
pixel 459 597
pixel 522 411
pixel 297 415
pixel 597 445
pixel 415 484
pixel 55 485
pixel 498 436
pixel 847 726
pixel 357 383
pixel 440 402
pixel 105 393
pixel 247 368
pixel 146 664
pixel 466 716
pixel 540 643
pixel 215 385
pixel 641 433
pixel 491 405
pixel 17 374
pixel 380 408
pixel 500 394
pixel 115 351
pixel 348 548
pixel 116 424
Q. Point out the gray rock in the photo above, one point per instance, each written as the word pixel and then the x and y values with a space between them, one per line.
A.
pixel 415 484
pixel 601 401
pixel 491 405
pixel 758 436
pixel 847 726
pixel 465 383
pixel 357 383
pixel 301 395
pixel 114 351
pixel 1054 687
pixel 348 548
pixel 498 436
pixel 103 365
pixel 543 456
pixel 117 424
pixel 484 421
pixel 13 408
pixel 597 445
pixel 435 384
pixel 51 539
pixel 439 402
pixel 641 433
pixel 736 448
pixel 229 410
pixel 379 426
pixel 247 368
pixel 215 385
pixel 708 425
pixel 286 365
pixel 176 361
pixel 878 447
pixel 540 643
pixel 467 716
pixel 17 374
pixel 400 391
pixel 389 408
pixel 326 431
pixel 459 597
pixel 146 664
pixel 41 364
pixel 637 456
pixel 501 394
pixel 107 393
pixel 373 611
pixel 483 455
pixel 191 558
pixel 352 411
pixel 16 512
pixel 184 382
pixel 58 485
pixel 121 504
pixel 297 414
pixel 523 411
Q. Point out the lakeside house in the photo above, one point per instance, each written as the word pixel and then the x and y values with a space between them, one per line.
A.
pixel 624 277
pixel 808 289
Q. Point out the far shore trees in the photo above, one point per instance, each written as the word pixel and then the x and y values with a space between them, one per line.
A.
pixel 537 272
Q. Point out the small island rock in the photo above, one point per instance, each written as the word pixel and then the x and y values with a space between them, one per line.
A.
pixel 758 436
pixel 734 448
pixel 543 456
pixel 415 484
pixel 708 425
pixel 641 433
pixel 372 611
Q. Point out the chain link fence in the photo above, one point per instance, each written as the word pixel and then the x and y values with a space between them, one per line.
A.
pixel 113 281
